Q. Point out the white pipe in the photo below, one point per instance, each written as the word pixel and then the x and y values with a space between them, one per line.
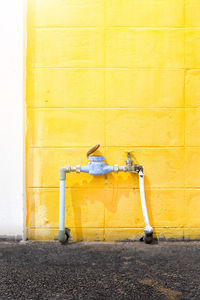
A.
pixel 148 229
pixel 62 235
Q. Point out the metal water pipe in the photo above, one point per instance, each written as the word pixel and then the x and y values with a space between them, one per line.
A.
pixel 97 166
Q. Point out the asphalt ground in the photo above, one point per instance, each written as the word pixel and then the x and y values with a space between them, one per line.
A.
pixel 123 270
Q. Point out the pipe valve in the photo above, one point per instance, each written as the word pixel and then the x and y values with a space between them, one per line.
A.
pixel 97 166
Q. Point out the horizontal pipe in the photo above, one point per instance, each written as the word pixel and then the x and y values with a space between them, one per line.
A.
pixel 84 169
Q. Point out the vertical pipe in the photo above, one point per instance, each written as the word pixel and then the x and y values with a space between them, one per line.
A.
pixel 62 236
pixel 148 229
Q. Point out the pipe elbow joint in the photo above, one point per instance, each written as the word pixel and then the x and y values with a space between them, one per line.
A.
pixel 63 171
pixel 138 169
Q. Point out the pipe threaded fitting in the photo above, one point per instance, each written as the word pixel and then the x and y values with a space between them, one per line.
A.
pixel 115 168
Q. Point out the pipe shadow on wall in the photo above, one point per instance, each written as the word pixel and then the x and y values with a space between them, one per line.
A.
pixel 109 196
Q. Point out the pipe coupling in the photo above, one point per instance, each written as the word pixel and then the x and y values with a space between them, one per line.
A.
pixel 116 168
pixel 123 168
pixel 78 168
pixel 138 169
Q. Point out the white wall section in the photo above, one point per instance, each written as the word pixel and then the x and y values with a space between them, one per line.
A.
pixel 12 83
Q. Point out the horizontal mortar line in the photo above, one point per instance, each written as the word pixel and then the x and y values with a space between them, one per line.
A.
pixel 116 187
pixel 67 147
pixel 110 108
pixel 102 27
pixel 43 228
pixel 187 188
pixel 139 107
pixel 192 27
pixel 85 187
pixel 65 27
pixel 113 68
pixel 192 69
pixel 117 227
pixel 104 108
pixel 92 228
pixel 192 107
pixel 103 146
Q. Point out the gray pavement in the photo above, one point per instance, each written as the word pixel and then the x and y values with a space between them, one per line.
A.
pixel 124 270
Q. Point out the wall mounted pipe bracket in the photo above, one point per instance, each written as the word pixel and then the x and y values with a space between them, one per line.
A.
pixel 96 167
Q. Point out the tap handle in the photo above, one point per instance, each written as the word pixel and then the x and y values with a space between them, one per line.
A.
pixel 93 149
pixel 129 151
pixel 129 161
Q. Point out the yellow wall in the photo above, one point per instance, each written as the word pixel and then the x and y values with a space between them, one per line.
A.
pixel 125 74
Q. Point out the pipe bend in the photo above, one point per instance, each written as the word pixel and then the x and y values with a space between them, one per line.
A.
pixel 63 171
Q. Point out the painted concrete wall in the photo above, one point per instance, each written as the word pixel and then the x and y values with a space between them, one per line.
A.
pixel 125 74
pixel 12 20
